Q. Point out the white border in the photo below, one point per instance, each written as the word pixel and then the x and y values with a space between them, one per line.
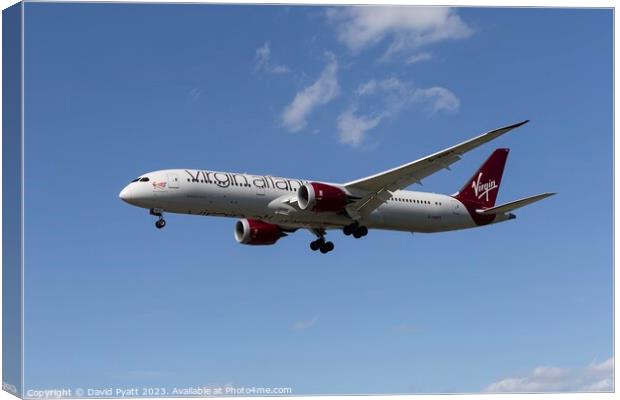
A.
pixel 464 3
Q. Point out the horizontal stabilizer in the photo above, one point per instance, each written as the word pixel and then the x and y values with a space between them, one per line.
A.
pixel 513 205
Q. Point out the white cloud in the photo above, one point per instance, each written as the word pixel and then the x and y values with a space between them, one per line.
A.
pixel 369 87
pixel 419 57
pixel 391 96
pixel 593 378
pixel 398 93
pixel 441 98
pixel 319 93
pixel 359 27
pixel 305 324
pixel 280 69
pixel 353 128
pixel 385 85
pixel 262 61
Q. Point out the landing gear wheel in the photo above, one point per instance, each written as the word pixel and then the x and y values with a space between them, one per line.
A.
pixel 159 213
pixel 355 229
pixel 327 247
pixel 320 243
pixel 351 228
pixel 316 244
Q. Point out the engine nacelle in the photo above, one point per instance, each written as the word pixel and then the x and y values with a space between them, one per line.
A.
pixel 255 232
pixel 320 197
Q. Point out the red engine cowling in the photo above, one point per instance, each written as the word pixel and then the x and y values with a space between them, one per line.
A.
pixel 320 197
pixel 255 232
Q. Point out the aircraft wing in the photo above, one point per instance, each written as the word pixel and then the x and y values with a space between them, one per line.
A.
pixel 382 185
pixel 513 205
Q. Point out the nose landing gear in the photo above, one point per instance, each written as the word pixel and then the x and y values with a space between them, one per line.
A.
pixel 158 212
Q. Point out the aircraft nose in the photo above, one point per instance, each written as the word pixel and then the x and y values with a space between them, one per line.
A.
pixel 125 194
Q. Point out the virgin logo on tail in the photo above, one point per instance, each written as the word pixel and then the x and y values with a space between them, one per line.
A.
pixel 483 189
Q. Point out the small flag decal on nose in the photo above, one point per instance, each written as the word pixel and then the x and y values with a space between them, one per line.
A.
pixel 159 185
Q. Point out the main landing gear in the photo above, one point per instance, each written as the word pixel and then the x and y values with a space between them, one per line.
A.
pixel 355 229
pixel 320 243
pixel 158 212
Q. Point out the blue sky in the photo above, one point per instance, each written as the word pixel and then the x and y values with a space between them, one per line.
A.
pixel 113 91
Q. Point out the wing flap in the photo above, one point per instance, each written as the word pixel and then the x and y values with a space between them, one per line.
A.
pixel 513 205
pixel 365 205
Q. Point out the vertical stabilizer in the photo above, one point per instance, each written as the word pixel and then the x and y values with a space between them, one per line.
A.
pixel 481 189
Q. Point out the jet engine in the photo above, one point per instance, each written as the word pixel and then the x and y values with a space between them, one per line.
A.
pixel 320 197
pixel 255 232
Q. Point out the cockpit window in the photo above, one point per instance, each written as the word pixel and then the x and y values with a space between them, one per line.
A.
pixel 143 179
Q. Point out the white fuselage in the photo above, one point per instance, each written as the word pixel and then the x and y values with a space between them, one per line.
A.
pixel 210 193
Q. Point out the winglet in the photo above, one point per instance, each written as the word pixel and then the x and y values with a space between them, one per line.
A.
pixel 518 124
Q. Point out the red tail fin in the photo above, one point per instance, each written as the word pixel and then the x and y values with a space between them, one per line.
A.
pixel 481 190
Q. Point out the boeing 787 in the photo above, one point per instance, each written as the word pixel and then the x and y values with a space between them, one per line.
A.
pixel 270 208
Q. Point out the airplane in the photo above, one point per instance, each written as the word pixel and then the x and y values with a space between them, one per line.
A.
pixel 270 208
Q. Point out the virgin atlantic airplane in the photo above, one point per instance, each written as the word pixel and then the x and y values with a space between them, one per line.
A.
pixel 269 208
